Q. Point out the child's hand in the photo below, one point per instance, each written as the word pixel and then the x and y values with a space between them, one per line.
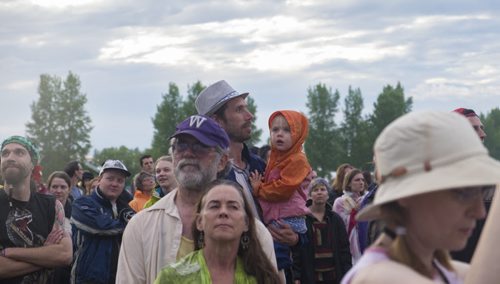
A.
pixel 255 181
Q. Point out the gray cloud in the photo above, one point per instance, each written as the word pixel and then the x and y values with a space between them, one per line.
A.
pixel 445 54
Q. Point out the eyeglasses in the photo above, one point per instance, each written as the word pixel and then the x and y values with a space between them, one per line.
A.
pixel 198 149
pixel 476 127
pixel 470 194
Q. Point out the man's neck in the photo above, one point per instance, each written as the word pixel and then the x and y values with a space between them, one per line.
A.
pixel 185 201
pixel 166 190
pixel 74 182
pixel 186 197
pixel 19 191
pixel 235 149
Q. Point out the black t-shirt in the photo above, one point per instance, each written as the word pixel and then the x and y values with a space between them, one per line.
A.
pixel 26 224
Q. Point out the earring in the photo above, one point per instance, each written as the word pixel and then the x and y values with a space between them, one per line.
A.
pixel 245 241
pixel 201 240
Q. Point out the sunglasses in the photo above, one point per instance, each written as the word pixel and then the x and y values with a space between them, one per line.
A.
pixel 470 194
pixel 198 149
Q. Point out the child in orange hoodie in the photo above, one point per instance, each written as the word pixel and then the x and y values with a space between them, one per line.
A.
pixel 282 192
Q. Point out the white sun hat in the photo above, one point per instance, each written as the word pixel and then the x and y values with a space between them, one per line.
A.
pixel 428 151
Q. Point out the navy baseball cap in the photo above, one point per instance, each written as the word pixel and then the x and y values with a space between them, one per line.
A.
pixel 205 130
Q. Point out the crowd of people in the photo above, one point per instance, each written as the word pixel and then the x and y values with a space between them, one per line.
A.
pixel 214 211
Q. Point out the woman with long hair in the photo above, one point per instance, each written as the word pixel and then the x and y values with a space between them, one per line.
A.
pixel 348 205
pixel 227 249
pixel 59 185
pixel 338 183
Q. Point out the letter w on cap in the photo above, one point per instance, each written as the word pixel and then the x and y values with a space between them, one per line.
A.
pixel 196 120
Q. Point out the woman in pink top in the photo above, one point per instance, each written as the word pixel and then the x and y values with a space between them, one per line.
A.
pixel 348 205
pixel 432 171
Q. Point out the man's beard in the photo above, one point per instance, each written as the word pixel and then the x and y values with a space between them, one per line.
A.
pixel 236 133
pixel 13 176
pixel 195 180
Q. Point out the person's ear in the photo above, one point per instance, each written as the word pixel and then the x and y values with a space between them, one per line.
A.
pixel 217 119
pixel 199 223
pixel 222 163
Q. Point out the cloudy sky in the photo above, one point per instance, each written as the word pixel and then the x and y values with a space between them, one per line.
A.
pixel 445 53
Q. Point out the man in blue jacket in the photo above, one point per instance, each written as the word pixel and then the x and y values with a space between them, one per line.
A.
pixel 99 221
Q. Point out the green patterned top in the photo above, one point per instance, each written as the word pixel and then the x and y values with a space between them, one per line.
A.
pixel 193 269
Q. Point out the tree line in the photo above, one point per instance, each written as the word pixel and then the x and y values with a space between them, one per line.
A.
pixel 61 126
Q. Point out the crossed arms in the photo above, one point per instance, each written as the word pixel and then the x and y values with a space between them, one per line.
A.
pixel 55 252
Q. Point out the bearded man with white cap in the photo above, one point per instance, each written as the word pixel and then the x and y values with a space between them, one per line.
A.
pixel 432 172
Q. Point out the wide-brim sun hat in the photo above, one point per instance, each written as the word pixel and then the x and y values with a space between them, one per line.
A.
pixel 428 151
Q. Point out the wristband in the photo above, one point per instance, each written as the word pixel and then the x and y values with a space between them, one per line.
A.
pixel 3 252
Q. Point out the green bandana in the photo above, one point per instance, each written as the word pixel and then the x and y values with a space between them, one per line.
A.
pixel 35 156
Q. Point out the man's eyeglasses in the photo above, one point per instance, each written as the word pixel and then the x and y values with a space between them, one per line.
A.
pixel 197 148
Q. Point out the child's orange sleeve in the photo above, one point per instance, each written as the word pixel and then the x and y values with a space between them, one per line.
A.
pixel 291 177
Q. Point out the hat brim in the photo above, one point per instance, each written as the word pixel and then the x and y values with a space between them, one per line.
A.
pixel 127 173
pixel 479 170
pixel 217 106
pixel 200 137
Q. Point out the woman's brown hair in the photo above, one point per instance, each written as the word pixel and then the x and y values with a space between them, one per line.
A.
pixel 338 182
pixel 348 179
pixel 255 262
pixel 61 175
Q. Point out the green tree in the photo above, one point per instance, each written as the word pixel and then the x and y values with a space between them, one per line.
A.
pixel 59 124
pixel 188 106
pixel 353 131
pixel 390 104
pixel 491 122
pixel 322 146
pixel 168 115
pixel 173 109
pixel 256 132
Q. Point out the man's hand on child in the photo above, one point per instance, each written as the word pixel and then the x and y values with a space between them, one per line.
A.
pixel 284 233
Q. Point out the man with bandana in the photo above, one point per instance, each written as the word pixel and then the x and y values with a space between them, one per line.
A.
pixel 34 238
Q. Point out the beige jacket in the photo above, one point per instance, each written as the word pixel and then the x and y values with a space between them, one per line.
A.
pixel 152 239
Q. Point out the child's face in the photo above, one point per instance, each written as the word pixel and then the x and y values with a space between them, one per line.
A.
pixel 281 137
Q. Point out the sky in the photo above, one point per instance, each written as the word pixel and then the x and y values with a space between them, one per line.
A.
pixel 446 54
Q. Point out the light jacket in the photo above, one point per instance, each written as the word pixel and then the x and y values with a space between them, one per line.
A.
pixel 140 198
